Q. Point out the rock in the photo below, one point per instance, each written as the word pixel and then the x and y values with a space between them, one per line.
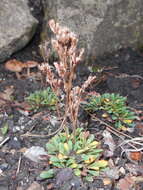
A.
pixel 14 143
pixel 4 166
pixel 63 176
pixel 34 153
pixel 1 138
pixel 17 26
pixel 102 26
pixel 74 183
pixel 112 173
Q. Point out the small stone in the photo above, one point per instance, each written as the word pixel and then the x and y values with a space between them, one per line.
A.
pixel 63 176
pixel 34 153
pixel 122 171
pixel 112 173
pixel 3 166
pixel 22 127
pixel 21 120
pixel 1 138
pixel 15 138
pixel 17 128
pixel 14 143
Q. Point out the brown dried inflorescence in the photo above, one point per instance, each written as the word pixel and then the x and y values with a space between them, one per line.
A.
pixel 65 44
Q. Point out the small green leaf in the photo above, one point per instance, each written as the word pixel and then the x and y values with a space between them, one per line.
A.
pixel 100 164
pixel 61 148
pixel 114 117
pixel 58 164
pixel 89 178
pixel 54 159
pixel 47 174
pixel 4 129
pixel 90 139
pixel 51 148
pixel 70 161
pixel 93 172
pixel 77 172
pixel 70 145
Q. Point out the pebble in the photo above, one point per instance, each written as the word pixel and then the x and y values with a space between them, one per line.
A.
pixel 3 166
pixel 22 127
pixel 34 153
pixel 14 143
pixel 1 138
pixel 21 120
pixel 17 128
pixel 122 171
pixel 14 130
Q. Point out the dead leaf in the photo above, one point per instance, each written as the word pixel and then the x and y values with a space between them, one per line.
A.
pixel 34 153
pixel 19 188
pixel 136 156
pixel 139 128
pixel 50 186
pixel 126 183
pixel 37 115
pixel 108 140
pixel 35 186
pixel 6 95
pixel 107 181
pixel 23 150
pixel 135 83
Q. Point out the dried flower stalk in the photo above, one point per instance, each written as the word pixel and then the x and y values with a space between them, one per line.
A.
pixel 65 44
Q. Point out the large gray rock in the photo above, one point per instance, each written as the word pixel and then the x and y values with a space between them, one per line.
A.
pixel 102 25
pixel 17 26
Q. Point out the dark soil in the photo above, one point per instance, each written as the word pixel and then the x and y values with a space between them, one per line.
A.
pixel 122 72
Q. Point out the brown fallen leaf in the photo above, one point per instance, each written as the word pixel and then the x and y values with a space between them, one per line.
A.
pixel 5 96
pixel 126 183
pixel 136 156
pixel 108 140
pixel 139 128
pixel 135 83
pixel 19 188
pixel 107 181
pixel 50 186
pixel 35 186
pixel 129 182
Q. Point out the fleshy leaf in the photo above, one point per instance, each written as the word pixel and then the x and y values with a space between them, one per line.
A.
pixel 47 174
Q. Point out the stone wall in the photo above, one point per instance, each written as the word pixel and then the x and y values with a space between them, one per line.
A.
pixel 102 25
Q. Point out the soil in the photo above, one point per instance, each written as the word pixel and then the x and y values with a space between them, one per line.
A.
pixel 120 72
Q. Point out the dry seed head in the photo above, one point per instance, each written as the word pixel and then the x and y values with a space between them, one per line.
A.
pixel 88 82
pixel 79 58
pixel 45 68
pixel 60 69
pixel 54 26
